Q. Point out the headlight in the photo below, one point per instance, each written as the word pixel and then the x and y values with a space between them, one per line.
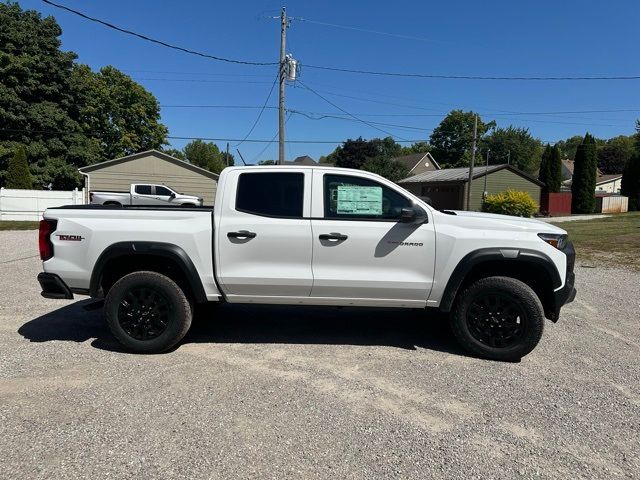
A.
pixel 554 239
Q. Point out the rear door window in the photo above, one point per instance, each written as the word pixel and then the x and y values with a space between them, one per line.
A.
pixel 143 189
pixel 271 194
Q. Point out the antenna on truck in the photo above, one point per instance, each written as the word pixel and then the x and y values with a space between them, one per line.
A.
pixel 241 157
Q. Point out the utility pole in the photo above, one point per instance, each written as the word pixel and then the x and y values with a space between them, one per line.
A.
pixel 227 159
pixel 508 157
pixel 473 160
pixel 486 169
pixel 284 23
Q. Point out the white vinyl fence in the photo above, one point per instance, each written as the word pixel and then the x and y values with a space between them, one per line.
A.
pixel 29 204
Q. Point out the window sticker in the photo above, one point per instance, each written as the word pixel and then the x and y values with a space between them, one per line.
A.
pixel 359 200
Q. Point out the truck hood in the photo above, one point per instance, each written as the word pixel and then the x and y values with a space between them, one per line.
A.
pixel 492 221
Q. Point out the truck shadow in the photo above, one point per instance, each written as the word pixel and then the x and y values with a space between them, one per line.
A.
pixel 239 324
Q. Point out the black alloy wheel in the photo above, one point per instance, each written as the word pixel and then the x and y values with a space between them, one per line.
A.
pixel 500 318
pixel 144 313
pixel 148 312
pixel 496 319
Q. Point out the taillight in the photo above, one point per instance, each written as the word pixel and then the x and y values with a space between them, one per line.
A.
pixel 47 227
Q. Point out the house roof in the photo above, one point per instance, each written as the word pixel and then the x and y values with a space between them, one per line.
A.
pixel 412 160
pixel 303 160
pixel 147 153
pixel 568 164
pixel 462 174
pixel 608 178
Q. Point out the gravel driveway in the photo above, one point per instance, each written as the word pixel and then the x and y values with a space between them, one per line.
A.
pixel 274 392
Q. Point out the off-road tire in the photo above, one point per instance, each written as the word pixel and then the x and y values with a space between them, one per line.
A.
pixel 178 313
pixel 509 288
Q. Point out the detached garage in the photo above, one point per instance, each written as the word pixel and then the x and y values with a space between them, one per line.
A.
pixel 151 167
pixel 447 188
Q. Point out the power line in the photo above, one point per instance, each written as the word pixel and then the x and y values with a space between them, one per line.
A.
pixel 322 116
pixel 412 114
pixel 199 80
pixel 350 114
pixel 273 139
pixel 471 77
pixel 366 30
pixel 264 106
pixel 153 40
pixel 212 139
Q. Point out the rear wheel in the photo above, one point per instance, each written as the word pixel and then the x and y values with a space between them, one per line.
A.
pixel 500 318
pixel 147 312
pixel 113 204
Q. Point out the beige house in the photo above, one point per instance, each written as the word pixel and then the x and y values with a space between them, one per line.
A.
pixel 447 188
pixel 609 183
pixel 151 167
pixel 418 163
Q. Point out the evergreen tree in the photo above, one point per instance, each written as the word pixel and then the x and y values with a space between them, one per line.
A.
pixel 18 175
pixel 583 184
pixel 631 182
pixel 543 174
pixel 554 169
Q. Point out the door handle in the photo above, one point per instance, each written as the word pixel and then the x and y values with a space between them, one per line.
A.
pixel 241 234
pixel 333 236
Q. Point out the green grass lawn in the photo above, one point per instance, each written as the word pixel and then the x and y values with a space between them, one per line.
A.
pixel 608 241
pixel 17 225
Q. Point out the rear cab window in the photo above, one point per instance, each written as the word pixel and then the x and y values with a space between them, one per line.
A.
pixel 143 189
pixel 270 194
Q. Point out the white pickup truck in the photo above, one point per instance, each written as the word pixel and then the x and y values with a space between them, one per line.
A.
pixel 145 194
pixel 303 235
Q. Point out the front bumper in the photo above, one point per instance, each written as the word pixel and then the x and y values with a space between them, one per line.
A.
pixel 53 286
pixel 567 293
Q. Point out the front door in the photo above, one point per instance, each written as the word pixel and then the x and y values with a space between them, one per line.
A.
pixel 263 241
pixel 361 250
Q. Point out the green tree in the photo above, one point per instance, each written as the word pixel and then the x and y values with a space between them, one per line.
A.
pixel 614 154
pixel 451 141
pixel 554 169
pixel 354 153
pixel 175 153
pixel 583 184
pixel 630 186
pixel 418 147
pixel 569 146
pixel 35 94
pixel 118 113
pixel 65 115
pixel 18 175
pixel 516 146
pixel 387 168
pixel 204 155
pixel 545 164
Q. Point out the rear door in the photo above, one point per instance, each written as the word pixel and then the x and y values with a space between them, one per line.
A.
pixel 361 250
pixel 263 238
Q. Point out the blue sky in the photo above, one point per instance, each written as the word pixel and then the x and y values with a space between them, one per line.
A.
pixel 542 38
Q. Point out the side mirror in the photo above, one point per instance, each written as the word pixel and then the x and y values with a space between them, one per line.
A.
pixel 172 196
pixel 412 215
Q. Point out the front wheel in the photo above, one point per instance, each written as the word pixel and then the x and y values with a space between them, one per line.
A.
pixel 499 318
pixel 147 312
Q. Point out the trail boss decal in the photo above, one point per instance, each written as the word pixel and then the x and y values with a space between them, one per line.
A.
pixel 70 238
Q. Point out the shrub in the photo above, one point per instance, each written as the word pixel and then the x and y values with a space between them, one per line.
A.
pixel 511 202
pixel 18 175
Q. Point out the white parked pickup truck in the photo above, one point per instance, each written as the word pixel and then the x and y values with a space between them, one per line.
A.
pixel 304 235
pixel 145 194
